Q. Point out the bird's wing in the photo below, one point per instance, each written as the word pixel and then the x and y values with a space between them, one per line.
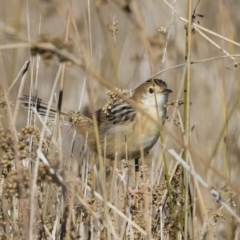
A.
pixel 118 113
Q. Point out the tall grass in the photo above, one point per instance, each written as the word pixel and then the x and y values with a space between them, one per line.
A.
pixel 53 187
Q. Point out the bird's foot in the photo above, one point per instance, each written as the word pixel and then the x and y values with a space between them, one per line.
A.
pixel 134 192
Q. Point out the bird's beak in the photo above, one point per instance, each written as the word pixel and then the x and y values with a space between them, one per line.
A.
pixel 166 90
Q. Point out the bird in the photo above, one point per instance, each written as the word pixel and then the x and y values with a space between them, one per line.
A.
pixel 125 126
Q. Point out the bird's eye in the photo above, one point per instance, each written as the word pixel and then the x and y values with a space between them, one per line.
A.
pixel 151 90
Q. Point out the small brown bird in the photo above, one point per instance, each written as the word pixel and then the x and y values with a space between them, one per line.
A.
pixel 123 128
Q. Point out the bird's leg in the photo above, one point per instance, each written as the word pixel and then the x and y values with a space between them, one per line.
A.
pixel 136 165
pixel 136 178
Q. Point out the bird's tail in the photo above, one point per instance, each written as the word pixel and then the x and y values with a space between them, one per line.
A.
pixel 35 104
